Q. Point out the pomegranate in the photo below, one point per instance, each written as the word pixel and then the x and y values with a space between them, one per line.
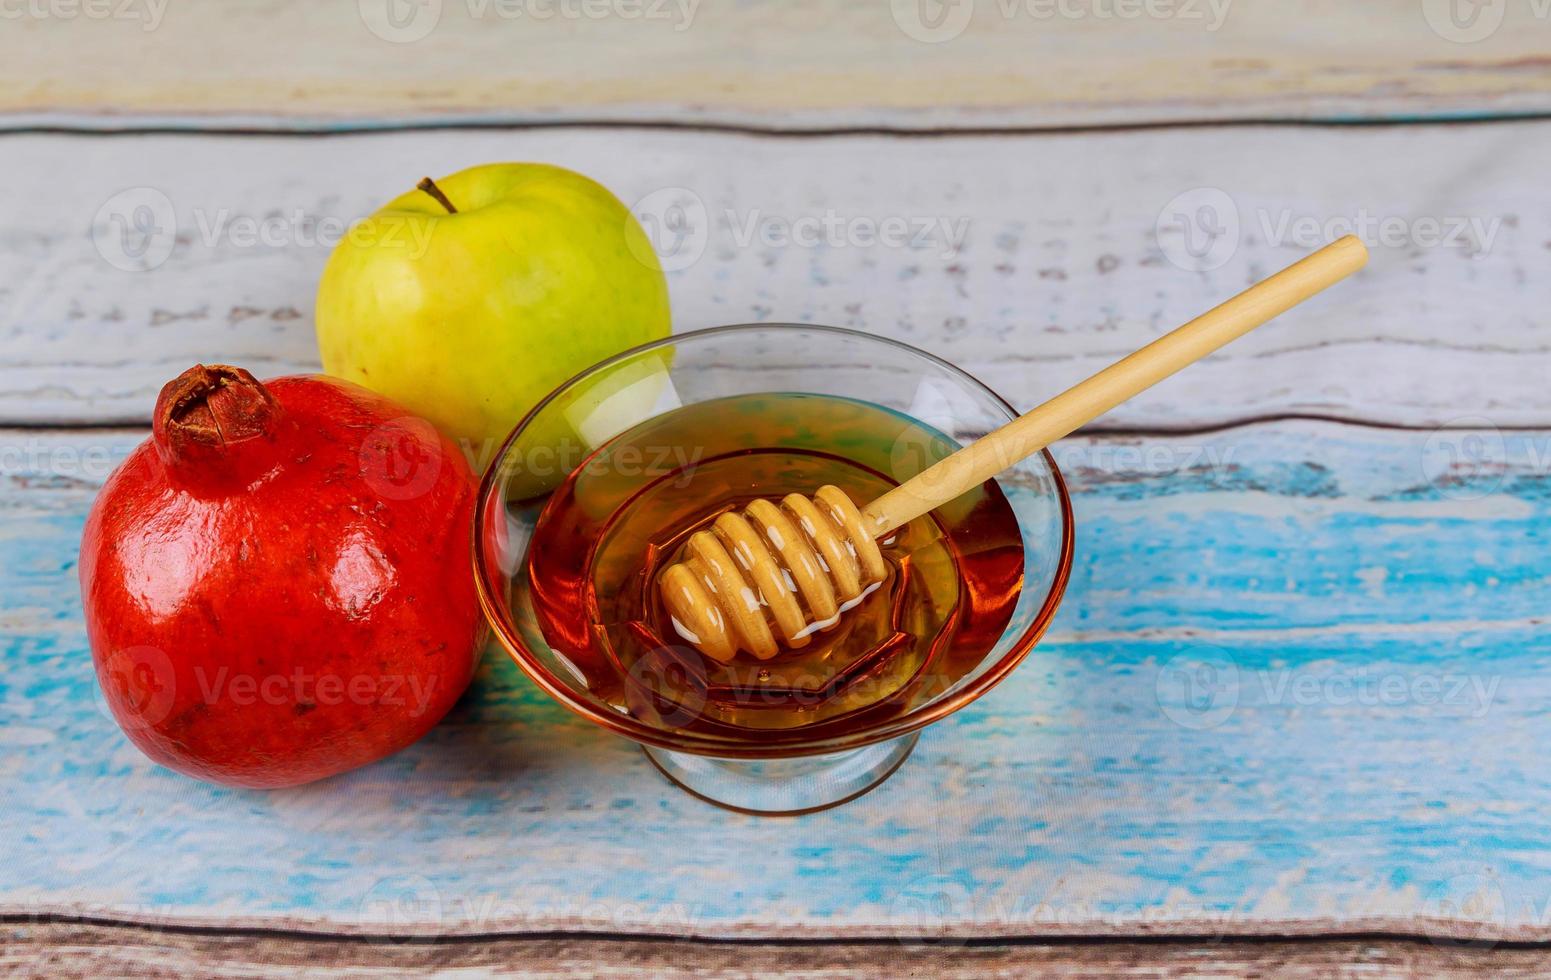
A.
pixel 278 582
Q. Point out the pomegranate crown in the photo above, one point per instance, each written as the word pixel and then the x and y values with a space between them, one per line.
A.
pixel 206 412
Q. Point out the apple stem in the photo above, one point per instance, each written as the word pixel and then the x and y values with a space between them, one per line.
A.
pixel 429 186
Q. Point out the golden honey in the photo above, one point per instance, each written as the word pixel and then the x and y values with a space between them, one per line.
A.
pixel 625 513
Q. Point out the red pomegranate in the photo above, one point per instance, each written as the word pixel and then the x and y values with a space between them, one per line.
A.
pixel 278 582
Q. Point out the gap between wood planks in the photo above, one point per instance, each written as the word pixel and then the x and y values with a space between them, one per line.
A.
pixel 1292 933
pixel 85 950
pixel 95 126
pixel 1097 430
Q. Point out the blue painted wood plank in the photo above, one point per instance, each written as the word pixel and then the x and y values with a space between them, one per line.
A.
pixel 1299 679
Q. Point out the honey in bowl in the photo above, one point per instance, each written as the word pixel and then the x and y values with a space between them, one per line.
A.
pixel 953 576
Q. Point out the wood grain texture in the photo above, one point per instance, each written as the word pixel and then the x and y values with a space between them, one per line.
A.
pixel 1297 685
pixel 65 951
pixel 795 64
pixel 1030 260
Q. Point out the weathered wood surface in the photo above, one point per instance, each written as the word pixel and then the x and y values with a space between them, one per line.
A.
pixel 1298 685
pixel 67 951
pixel 909 64
pixel 1030 260
pixel 1299 682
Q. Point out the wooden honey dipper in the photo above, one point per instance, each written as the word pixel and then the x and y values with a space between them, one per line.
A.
pixel 776 574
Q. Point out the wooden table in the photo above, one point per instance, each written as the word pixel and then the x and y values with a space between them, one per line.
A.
pixel 1292 714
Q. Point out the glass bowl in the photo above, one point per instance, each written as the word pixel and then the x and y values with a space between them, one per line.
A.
pixel 799 767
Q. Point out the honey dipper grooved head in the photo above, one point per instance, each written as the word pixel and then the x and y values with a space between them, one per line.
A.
pixel 771 575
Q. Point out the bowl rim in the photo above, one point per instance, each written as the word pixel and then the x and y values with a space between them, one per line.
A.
pixel 776 744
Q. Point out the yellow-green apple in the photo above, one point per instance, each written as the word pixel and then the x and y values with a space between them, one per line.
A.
pixel 469 298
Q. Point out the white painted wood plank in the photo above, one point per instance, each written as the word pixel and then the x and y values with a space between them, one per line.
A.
pixel 1031 260
pixel 793 64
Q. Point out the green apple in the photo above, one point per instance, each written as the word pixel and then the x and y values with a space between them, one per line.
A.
pixel 470 298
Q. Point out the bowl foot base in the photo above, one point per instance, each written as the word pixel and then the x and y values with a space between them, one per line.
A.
pixel 784 787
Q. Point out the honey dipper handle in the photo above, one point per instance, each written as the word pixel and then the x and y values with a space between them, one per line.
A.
pixel 1087 400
